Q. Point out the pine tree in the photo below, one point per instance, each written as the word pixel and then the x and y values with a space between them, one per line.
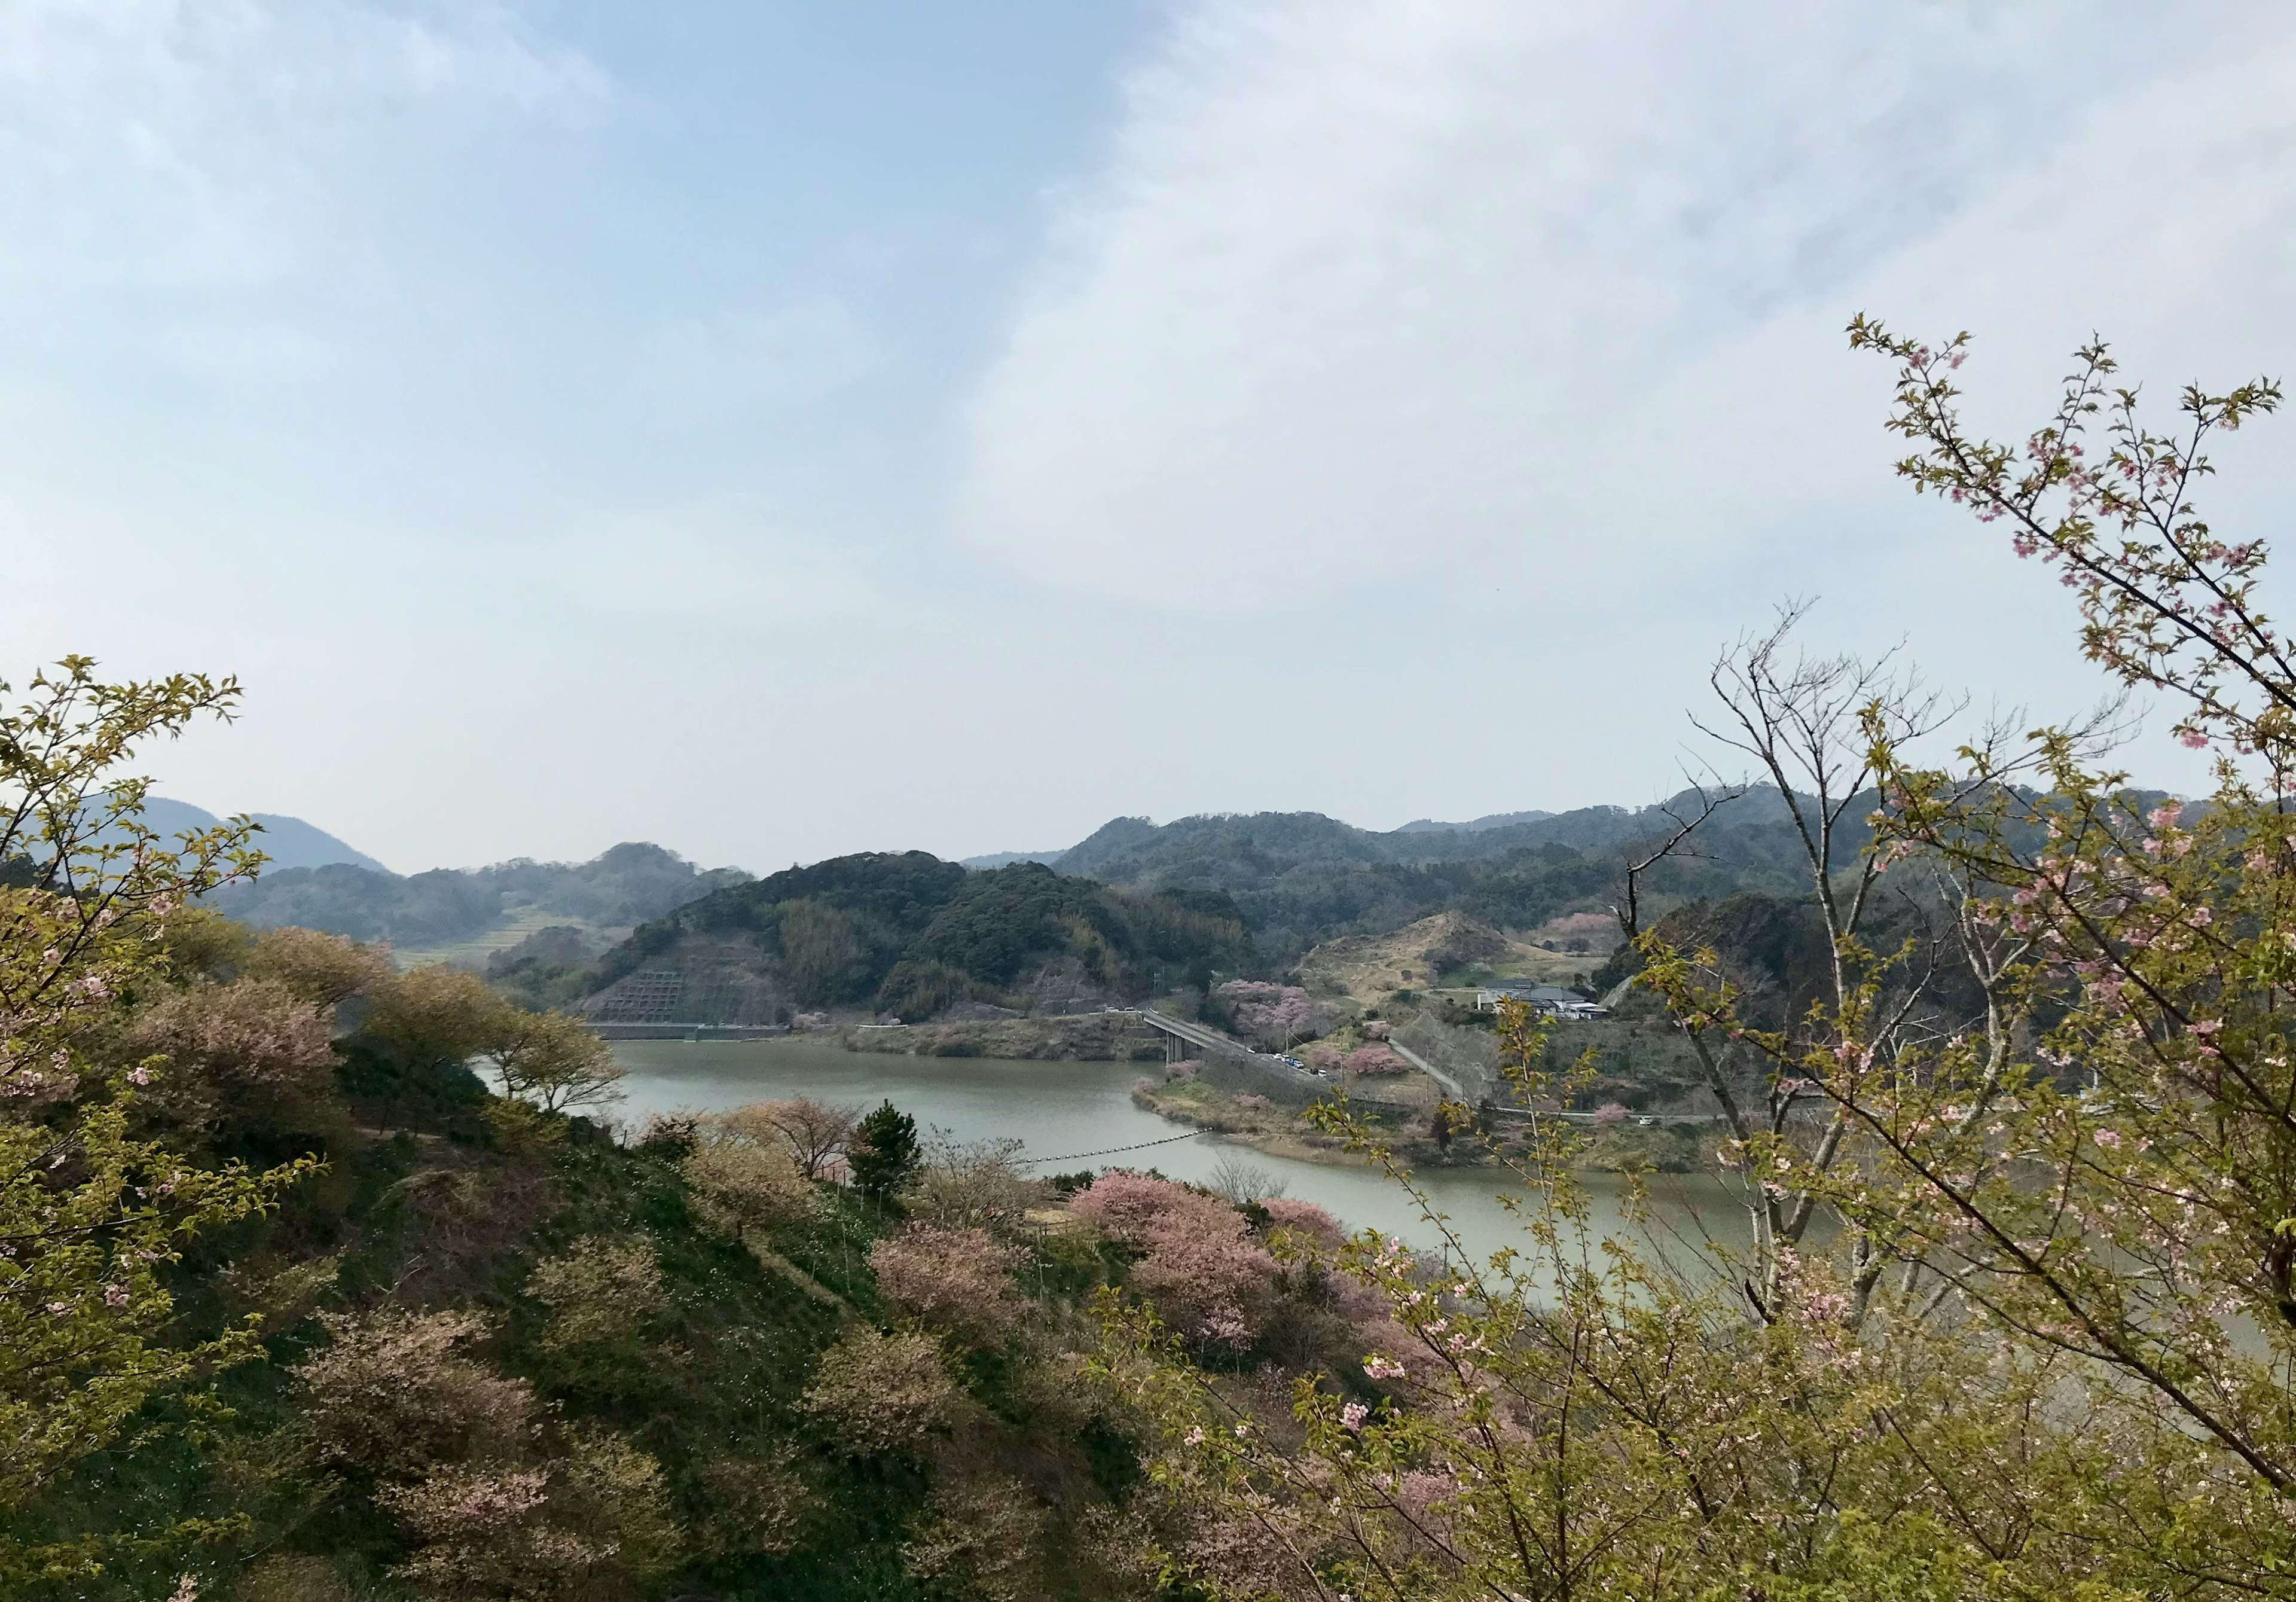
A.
pixel 883 1152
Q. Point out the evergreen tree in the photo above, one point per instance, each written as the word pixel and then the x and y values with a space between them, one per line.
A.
pixel 883 1152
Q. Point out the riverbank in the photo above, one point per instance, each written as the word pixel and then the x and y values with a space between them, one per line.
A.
pixel 1078 1037
pixel 1255 1120
pixel 1277 1130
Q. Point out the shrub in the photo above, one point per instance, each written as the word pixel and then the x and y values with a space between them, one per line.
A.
pixel 741 1183
pixel 958 1279
pixel 323 969
pixel 393 1393
pixel 882 1394
pixel 601 1295
pixel 981 1538
pixel 250 1034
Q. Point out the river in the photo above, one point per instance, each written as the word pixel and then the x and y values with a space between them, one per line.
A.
pixel 1070 1115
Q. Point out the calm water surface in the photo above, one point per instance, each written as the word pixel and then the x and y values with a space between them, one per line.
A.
pixel 1068 1116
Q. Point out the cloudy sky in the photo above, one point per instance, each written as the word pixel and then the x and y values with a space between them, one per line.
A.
pixel 778 430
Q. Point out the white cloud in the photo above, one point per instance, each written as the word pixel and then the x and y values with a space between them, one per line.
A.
pixel 161 143
pixel 1375 285
pixel 802 350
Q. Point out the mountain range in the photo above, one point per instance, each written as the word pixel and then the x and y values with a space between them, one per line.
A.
pixel 1301 878
pixel 1291 881
pixel 600 900
pixel 287 841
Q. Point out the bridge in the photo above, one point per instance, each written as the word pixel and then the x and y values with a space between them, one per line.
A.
pixel 1184 1039
pixel 1179 1034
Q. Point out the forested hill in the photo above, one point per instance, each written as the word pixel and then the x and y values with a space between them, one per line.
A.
pixel 1301 878
pixel 615 891
pixel 908 933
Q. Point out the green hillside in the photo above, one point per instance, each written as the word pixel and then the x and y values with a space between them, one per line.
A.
pixel 1299 879
pixel 484 1352
pixel 910 934
pixel 450 912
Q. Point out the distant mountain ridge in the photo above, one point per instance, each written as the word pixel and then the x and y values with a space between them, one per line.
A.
pixel 997 859
pixel 1493 820
pixel 617 890
pixel 1301 878
pixel 287 841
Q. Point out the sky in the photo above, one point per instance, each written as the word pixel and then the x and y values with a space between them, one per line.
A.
pixel 777 430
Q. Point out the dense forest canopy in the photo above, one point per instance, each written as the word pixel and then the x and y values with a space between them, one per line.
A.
pixel 911 934
pixel 1299 879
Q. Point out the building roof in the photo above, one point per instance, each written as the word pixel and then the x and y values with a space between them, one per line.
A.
pixel 1523 990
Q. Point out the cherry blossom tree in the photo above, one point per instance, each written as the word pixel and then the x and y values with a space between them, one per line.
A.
pixel 1309 1219
pixel 594 1522
pixel 1275 1014
pixel 393 1392
pixel 956 1279
pixel 743 1176
pixel 815 1131
pixel 1375 1060
pixel 1198 1268
pixel 323 969
pixel 253 1033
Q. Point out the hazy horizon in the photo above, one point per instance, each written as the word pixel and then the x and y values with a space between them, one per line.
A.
pixel 776 430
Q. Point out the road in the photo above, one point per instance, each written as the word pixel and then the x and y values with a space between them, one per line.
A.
pixel 1450 1085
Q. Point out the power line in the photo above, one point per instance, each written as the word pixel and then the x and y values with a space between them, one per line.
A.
pixel 1112 1151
